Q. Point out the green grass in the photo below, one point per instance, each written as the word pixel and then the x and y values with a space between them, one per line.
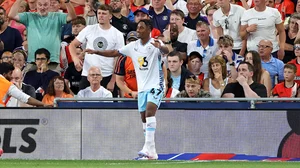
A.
pixel 9 163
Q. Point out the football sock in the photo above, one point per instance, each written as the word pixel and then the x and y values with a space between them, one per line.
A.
pixel 150 131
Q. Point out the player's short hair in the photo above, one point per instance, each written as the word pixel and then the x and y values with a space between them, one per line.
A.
pixel 147 22
pixel 5 68
pixel 78 20
pixel 290 66
pixel 174 54
pixel 105 7
pixel 178 12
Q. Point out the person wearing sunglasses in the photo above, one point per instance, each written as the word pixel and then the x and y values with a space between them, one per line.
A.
pixel 227 20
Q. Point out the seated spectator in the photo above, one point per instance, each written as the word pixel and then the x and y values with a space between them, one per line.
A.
pixel 159 14
pixel 245 86
pixel 95 89
pixel 291 32
pixel 218 78
pixel 40 77
pixel 288 88
pixel 7 57
pixel 19 59
pixel 73 74
pixel 296 61
pixel 10 37
pixel 170 92
pixel 192 88
pixel 260 75
pixel 273 65
pixel 125 73
pixel 90 11
pixel 77 25
pixel 176 45
pixel 9 90
pixel 178 72
pixel 194 7
pixel 194 65
pixel 17 80
pixel 57 88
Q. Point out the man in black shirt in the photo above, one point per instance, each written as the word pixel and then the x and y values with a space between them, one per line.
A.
pixel 245 86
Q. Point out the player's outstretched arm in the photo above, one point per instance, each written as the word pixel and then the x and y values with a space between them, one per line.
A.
pixel 105 53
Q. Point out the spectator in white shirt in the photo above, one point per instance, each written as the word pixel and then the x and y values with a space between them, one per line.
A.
pixel 95 89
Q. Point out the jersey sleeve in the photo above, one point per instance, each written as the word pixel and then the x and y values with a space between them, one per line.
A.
pixel 120 66
pixel 126 50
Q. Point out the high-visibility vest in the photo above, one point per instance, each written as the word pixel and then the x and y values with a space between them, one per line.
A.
pixel 4 86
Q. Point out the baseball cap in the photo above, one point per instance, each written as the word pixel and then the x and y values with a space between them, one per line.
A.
pixel 132 34
pixel 196 54
pixel 144 10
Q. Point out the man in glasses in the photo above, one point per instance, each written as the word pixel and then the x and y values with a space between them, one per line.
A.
pixel 273 65
pixel 95 89
pixel 227 20
pixel 40 77
pixel 7 57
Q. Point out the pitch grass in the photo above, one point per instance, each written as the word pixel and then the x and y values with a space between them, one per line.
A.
pixel 9 163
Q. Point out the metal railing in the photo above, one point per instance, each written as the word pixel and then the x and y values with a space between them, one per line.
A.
pixel 253 101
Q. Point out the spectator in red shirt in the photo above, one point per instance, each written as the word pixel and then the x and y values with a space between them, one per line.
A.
pixel 288 88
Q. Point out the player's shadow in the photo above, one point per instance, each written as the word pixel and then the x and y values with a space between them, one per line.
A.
pixel 290 144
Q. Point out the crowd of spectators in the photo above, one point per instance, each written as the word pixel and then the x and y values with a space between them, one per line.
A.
pixel 218 48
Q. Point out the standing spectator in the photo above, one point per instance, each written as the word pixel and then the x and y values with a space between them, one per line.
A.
pixel 288 88
pixel 95 89
pixel 245 86
pixel 260 75
pixel 125 73
pixel 177 4
pixel 120 22
pixel 8 89
pixel 73 74
pixel 39 33
pixel 261 23
pixel 205 45
pixel 102 36
pixel 40 77
pixel 10 37
pixel 19 26
pixel 141 14
pixel 17 80
pixel 177 45
pixel 57 88
pixel 227 20
pixel 292 33
pixel 178 72
pixel 160 14
pixel 32 5
pixel 185 34
pixel 270 3
pixel 273 65
pixel 194 7
pixel 209 13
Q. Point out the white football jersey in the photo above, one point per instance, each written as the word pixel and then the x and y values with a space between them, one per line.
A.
pixel 147 64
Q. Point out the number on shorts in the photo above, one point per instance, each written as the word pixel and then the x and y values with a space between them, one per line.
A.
pixel 152 91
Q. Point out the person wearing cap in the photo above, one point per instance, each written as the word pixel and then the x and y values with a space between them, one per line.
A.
pixel 194 65
pixel 122 23
pixel 125 73
pixel 141 14
pixel 159 14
